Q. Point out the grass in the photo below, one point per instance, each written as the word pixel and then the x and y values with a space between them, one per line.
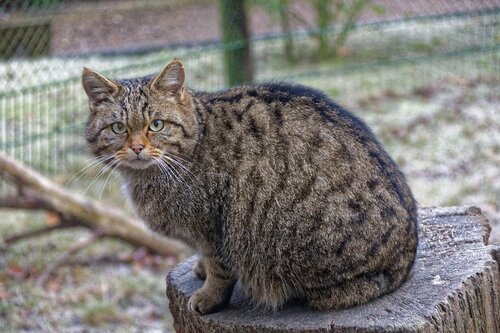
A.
pixel 99 313
pixel 102 287
pixel 436 115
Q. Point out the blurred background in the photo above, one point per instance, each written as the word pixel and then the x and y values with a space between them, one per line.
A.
pixel 423 74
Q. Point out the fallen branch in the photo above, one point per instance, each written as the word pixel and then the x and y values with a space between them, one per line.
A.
pixel 22 201
pixel 36 232
pixel 94 215
pixel 25 201
pixel 61 260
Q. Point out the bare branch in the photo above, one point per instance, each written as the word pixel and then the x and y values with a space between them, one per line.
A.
pixel 22 201
pixel 62 259
pixel 36 232
pixel 92 214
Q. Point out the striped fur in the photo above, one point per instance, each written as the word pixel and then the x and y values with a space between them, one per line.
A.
pixel 274 184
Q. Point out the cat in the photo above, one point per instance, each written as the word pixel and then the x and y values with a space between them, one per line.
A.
pixel 274 184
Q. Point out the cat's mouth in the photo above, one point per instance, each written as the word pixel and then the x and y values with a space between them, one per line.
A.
pixel 139 163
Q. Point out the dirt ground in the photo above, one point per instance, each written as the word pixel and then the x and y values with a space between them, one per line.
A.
pixel 120 26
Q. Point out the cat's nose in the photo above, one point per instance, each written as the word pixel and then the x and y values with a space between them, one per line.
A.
pixel 137 148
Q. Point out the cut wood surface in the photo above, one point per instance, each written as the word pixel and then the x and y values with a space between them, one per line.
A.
pixel 454 287
pixel 38 191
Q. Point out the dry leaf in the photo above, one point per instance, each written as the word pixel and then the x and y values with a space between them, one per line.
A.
pixel 4 294
pixel 17 272
pixel 53 285
pixel 52 219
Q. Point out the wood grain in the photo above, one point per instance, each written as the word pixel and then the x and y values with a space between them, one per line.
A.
pixel 454 287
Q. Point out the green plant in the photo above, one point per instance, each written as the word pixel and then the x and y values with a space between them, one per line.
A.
pixel 279 10
pixel 330 14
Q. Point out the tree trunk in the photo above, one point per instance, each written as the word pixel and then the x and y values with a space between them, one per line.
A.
pixel 106 220
pixel 454 287
pixel 286 30
pixel 324 21
pixel 352 16
pixel 237 55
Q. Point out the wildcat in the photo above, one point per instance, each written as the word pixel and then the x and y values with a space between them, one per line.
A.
pixel 274 184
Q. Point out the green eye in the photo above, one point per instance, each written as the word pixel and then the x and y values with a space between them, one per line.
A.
pixel 156 125
pixel 118 128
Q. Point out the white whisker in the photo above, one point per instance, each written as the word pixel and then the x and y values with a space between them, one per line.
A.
pixel 170 169
pixel 117 164
pixel 167 161
pixel 173 158
pixel 89 167
pixel 164 168
pixel 176 157
pixel 100 173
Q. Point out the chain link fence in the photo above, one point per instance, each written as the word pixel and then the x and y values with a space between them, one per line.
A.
pixel 399 47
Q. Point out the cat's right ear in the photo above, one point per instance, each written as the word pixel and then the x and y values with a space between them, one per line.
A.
pixel 171 79
pixel 97 87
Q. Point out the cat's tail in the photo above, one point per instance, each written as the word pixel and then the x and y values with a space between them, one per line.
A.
pixel 363 288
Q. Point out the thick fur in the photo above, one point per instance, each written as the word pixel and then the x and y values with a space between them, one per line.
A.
pixel 279 187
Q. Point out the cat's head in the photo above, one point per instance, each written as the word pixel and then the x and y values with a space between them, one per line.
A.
pixel 142 122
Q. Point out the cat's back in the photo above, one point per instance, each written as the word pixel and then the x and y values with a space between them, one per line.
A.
pixel 258 107
pixel 305 179
pixel 282 135
pixel 287 126
pixel 258 121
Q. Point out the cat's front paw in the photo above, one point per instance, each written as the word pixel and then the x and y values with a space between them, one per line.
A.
pixel 199 269
pixel 205 302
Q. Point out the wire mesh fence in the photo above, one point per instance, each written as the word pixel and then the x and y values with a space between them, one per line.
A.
pixel 403 46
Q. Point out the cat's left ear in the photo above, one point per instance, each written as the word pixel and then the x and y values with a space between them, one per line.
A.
pixel 171 79
pixel 97 87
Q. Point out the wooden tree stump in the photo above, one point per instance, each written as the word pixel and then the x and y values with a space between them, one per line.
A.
pixel 454 287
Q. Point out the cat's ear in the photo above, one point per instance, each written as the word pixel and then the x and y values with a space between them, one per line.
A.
pixel 171 79
pixel 97 87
